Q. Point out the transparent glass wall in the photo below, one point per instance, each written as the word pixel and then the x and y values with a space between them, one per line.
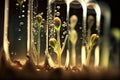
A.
pixel 15 30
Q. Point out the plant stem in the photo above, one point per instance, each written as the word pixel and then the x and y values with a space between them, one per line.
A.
pixel 38 46
pixel 58 39
pixel 73 55
pixel 59 48
pixel 88 56
pixel 59 58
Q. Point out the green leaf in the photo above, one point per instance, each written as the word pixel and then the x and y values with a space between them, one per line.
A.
pixel 57 23
pixel 20 1
pixel 116 33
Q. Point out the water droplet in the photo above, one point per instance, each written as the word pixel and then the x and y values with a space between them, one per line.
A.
pixel 19 29
pixel 55 10
pixel 80 28
pixel 12 53
pixel 42 26
pixel 57 13
pixel 34 13
pixel 19 16
pixel 21 23
pixel 19 38
pixel 58 7
pixel 41 13
pixel 23 15
pixel 17 4
pixel 64 32
pixel 62 36
pixel 64 24
pixel 23 11
pixel 23 6
pixel 43 20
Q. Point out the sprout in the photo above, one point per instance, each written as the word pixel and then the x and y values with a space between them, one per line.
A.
pixel 73 33
pixel 37 24
pixel 54 44
pixel 92 42
pixel 20 1
pixel 73 38
pixel 93 39
pixel 57 48
pixel 73 21
pixel 57 23
pixel 38 20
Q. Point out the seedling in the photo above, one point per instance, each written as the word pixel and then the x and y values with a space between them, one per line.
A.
pixel 55 44
pixel 91 43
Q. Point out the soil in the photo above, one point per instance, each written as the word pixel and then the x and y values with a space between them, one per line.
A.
pixel 31 72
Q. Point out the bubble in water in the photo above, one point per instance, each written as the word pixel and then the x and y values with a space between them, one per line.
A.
pixel 62 36
pixel 58 7
pixel 42 26
pixel 17 4
pixel 41 13
pixel 55 10
pixel 19 16
pixel 20 38
pixel 21 23
pixel 80 28
pixel 34 13
pixel 43 20
pixel 23 11
pixel 12 53
pixel 64 24
pixel 23 15
pixel 57 13
pixel 63 43
pixel 23 6
pixel 19 29
pixel 64 32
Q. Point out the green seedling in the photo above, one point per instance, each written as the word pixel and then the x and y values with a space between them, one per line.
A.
pixel 73 37
pixel 55 43
pixel 92 42
pixel 20 2
pixel 37 23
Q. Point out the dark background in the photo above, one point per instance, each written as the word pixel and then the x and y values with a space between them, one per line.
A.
pixel 114 6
